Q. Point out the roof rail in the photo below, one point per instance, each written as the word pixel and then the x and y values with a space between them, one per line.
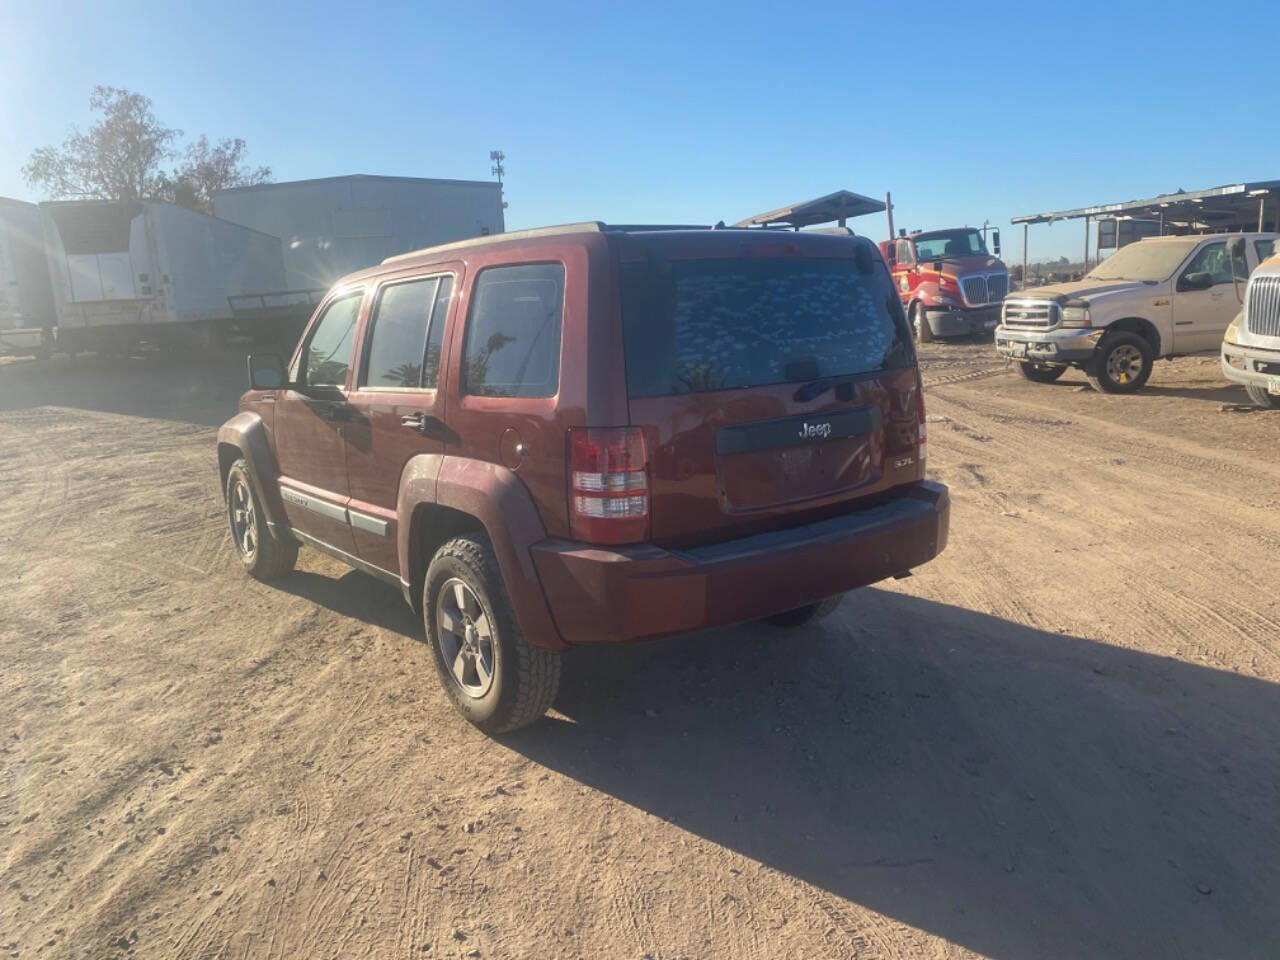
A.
pixel 644 227
pixel 831 231
pixel 589 226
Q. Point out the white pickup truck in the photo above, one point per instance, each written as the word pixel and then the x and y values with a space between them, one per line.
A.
pixel 1158 297
pixel 1251 345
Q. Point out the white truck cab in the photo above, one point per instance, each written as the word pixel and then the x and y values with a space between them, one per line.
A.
pixel 1158 297
pixel 1251 344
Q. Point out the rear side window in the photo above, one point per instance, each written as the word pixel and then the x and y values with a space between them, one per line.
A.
pixel 328 354
pixel 408 322
pixel 699 325
pixel 1265 248
pixel 512 346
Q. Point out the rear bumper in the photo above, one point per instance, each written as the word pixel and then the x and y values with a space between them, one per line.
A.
pixel 1256 367
pixel 1063 345
pixel 962 321
pixel 613 595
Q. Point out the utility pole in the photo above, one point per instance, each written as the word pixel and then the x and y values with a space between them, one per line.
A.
pixel 888 209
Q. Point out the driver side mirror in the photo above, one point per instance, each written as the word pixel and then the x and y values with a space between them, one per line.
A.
pixel 995 242
pixel 266 371
pixel 1200 280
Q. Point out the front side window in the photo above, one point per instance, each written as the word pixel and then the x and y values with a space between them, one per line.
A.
pixel 692 326
pixel 1213 260
pixel 904 253
pixel 328 354
pixel 512 346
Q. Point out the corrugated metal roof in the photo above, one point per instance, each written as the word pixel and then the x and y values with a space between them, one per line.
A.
pixel 493 184
pixel 1238 197
pixel 834 206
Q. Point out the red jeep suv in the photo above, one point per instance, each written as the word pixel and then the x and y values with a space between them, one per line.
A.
pixel 593 434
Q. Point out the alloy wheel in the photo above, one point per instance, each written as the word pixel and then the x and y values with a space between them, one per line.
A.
pixel 1124 363
pixel 244 526
pixel 465 637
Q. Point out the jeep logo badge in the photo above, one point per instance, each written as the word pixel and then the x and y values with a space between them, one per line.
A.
pixel 811 431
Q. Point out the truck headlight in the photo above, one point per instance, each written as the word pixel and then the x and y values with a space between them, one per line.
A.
pixel 1232 334
pixel 1075 315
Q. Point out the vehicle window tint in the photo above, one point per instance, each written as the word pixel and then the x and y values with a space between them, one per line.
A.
pixel 328 353
pixel 399 339
pixel 699 325
pixel 1212 260
pixel 435 336
pixel 512 346
pixel 1265 248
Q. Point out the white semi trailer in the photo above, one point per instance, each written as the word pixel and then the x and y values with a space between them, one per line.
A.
pixel 26 299
pixel 127 272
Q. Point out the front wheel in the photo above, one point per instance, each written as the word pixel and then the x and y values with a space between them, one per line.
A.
pixel 920 324
pixel 496 679
pixel 1121 364
pixel 1040 372
pixel 260 553
pixel 1260 397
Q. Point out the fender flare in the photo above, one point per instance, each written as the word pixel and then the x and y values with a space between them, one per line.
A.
pixel 245 435
pixel 500 502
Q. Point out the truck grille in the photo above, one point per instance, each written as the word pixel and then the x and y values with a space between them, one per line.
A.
pixel 1262 313
pixel 981 290
pixel 1030 314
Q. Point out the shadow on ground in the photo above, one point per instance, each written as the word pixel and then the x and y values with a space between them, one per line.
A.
pixel 1020 792
pixel 200 387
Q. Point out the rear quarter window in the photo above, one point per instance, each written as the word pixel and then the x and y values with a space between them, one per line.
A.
pixel 512 346
pixel 700 325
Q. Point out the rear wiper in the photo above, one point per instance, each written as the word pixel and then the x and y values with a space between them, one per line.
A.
pixel 816 388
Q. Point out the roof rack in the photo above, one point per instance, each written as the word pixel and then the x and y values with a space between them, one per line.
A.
pixel 587 226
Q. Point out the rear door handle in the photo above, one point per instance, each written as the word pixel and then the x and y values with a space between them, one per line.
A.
pixel 427 425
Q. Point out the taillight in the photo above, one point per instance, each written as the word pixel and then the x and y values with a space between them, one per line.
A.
pixel 920 456
pixel 608 485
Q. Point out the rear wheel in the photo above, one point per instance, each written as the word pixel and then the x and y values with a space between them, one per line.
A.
pixel 1040 372
pixel 260 553
pixel 920 324
pixel 495 678
pixel 1121 364
pixel 1260 397
pixel 806 614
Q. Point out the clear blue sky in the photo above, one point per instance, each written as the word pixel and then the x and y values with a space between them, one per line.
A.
pixel 688 112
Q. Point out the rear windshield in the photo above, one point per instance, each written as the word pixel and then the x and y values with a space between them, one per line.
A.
pixel 693 326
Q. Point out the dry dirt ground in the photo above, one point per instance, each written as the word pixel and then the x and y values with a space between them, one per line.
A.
pixel 1058 740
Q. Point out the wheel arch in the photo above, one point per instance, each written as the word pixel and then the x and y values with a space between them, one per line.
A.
pixel 245 435
pixel 442 496
pixel 1142 327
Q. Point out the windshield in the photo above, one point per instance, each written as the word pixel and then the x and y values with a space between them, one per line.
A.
pixel 941 244
pixel 699 325
pixel 1142 262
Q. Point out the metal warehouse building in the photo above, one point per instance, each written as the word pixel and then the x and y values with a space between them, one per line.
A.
pixel 332 226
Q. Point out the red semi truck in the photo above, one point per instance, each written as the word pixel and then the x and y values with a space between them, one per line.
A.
pixel 950 285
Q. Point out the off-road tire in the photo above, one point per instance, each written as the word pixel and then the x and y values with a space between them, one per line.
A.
pixel 920 324
pixel 526 677
pixel 270 557
pixel 1040 372
pixel 1098 369
pixel 1261 398
pixel 806 614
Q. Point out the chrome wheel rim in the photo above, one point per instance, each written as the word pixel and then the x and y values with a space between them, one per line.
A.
pixel 1124 363
pixel 244 525
pixel 464 634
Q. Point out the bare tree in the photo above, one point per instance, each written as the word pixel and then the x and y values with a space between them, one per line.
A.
pixel 118 158
pixel 122 157
pixel 208 167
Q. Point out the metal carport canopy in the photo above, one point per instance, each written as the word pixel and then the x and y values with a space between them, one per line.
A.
pixel 1234 202
pixel 838 206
